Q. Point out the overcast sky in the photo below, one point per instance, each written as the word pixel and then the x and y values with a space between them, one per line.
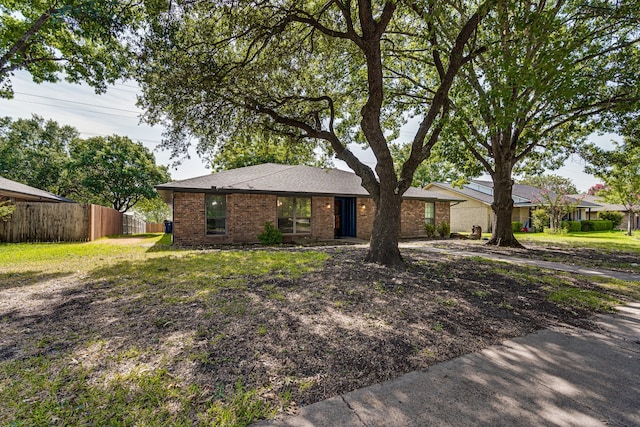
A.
pixel 116 113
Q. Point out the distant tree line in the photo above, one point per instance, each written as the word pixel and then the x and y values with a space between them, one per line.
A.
pixel 110 171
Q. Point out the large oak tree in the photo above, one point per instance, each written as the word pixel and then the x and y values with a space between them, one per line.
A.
pixel 84 40
pixel 331 72
pixel 550 73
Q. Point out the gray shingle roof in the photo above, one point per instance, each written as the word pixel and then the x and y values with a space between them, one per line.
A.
pixel 465 192
pixel 529 195
pixel 600 205
pixel 11 188
pixel 287 179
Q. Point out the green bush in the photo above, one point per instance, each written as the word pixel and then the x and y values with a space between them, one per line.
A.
pixel 614 217
pixel 271 235
pixel 572 225
pixel 597 225
pixel 540 219
pixel 443 229
pixel 6 210
pixel 516 226
pixel 561 230
pixel 430 230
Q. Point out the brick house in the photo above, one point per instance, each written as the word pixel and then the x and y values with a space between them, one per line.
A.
pixel 303 202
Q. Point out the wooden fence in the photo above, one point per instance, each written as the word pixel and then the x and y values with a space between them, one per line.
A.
pixel 133 225
pixel 155 227
pixel 46 222
pixel 66 222
pixel 104 222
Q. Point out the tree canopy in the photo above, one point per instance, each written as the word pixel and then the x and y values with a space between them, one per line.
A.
pixel 550 73
pixel 35 152
pixel 261 147
pixel 153 210
pixel 437 168
pixel 620 170
pixel 325 73
pixel 83 39
pixel 117 170
pixel 556 183
pixel 112 170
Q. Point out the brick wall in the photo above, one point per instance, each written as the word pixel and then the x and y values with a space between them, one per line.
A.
pixel 412 218
pixel 322 222
pixel 365 211
pixel 189 220
pixel 246 215
pixel 443 213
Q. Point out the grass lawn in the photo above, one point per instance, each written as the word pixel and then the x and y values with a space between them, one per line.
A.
pixel 130 331
pixel 616 240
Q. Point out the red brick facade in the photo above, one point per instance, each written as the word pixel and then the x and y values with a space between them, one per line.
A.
pixel 247 213
pixel 365 211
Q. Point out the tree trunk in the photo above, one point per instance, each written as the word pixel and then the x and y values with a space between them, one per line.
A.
pixel 503 208
pixel 383 247
pixel 632 217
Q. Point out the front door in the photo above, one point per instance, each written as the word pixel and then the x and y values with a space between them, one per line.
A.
pixel 345 217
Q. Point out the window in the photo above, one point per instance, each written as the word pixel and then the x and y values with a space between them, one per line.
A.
pixel 216 207
pixel 294 215
pixel 429 213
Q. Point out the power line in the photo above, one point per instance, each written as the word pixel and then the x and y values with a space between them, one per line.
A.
pixel 79 103
pixel 73 108
pixel 153 141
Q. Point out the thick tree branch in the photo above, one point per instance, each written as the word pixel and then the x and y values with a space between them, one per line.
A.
pixel 23 41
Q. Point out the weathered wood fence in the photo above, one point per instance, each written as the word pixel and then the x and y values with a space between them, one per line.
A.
pixel 66 222
pixel 133 225
pixel 155 227
pixel 46 222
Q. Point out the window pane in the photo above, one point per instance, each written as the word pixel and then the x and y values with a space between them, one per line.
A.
pixel 216 212
pixel 303 225
pixel 303 208
pixel 285 214
pixel 429 213
pixel 303 215
pixel 216 226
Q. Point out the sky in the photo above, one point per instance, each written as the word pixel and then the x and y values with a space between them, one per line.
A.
pixel 115 112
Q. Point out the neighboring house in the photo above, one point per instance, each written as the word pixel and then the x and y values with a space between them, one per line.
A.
pixel 16 192
pixel 476 210
pixel 303 202
pixel 592 213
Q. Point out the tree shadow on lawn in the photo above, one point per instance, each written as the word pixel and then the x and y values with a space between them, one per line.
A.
pixel 27 278
pixel 294 336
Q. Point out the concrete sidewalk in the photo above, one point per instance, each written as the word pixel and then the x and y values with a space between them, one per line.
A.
pixel 555 377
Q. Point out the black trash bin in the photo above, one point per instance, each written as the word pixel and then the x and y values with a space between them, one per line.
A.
pixel 168 227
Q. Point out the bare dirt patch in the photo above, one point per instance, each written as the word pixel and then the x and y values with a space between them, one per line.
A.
pixel 345 326
pixel 588 257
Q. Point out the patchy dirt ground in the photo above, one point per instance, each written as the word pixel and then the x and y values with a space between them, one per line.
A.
pixel 345 326
pixel 588 257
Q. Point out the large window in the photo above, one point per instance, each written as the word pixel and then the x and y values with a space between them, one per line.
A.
pixel 216 205
pixel 429 213
pixel 294 215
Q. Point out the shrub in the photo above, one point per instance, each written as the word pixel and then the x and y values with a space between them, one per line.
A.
pixel 443 229
pixel 614 217
pixel 597 225
pixel 516 226
pixel 430 230
pixel 540 219
pixel 572 225
pixel 561 230
pixel 271 235
pixel 6 210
